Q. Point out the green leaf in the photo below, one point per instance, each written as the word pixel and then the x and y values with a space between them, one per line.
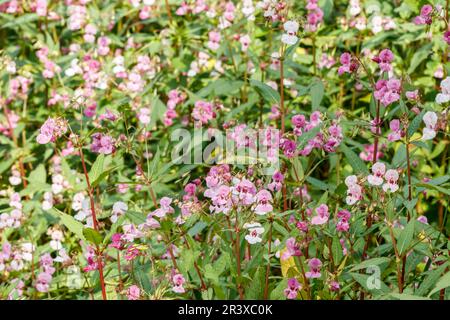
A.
pixel 92 236
pixel 415 123
pixel 371 262
pixel 19 21
pixel 278 292
pixel 399 156
pixel 317 91
pixel 97 168
pixel 434 187
pixel 267 92
pixel 431 279
pixel 136 217
pixel 419 57
pixel 318 183
pixel 158 110
pixel 354 160
pixel 197 228
pixel 73 225
pixel 297 169
pixel 364 280
pixel 154 164
pixel 443 283
pixel 256 288
pixel 211 273
pixel 336 251
pixel 38 175
pixel 187 257
pixel 406 237
pixel 405 296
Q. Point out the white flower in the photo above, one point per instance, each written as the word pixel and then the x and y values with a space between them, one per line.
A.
pixel 428 134
pixel 291 28
pixel 11 67
pixel 15 180
pixel 119 208
pixel 378 170
pixel 288 39
pixel 255 230
pixel 444 96
pixel 430 118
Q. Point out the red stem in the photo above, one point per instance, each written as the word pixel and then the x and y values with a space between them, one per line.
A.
pixel 95 222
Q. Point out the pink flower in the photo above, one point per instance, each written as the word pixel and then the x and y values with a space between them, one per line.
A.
pixel 426 10
pixel 178 282
pixel 425 15
pixel 384 60
pixel 378 170
pixel 165 207
pixel 349 64
pixel 43 282
pixel 221 199
pixel 293 287
pixel 102 143
pixel 51 130
pixel 116 241
pixel 334 286
pixel 289 148
pixel 277 181
pixel 133 293
pixel 367 154
pixel 322 215
pixel 314 268
pixel 422 219
pixel 214 40
pixel 292 249
pixel 387 91
pixel 132 252
pixel 343 217
pixel 244 192
pixel 396 133
pixel 203 112
pixel 412 95
pixel 263 202
pixel 245 42
pixel 447 36
pixel 391 177
pixel 354 191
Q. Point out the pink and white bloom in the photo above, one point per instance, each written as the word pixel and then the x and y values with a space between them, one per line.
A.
pixel 178 282
pixel 354 191
pixel 396 133
pixel 293 287
pixel 290 35
pixel 429 132
pixel 263 202
pixel 378 171
pixel 119 208
pixel 292 249
pixel 255 231
pixel 444 96
pixel 322 215
pixel 133 293
pixel 165 207
pixel 391 177
pixel 314 269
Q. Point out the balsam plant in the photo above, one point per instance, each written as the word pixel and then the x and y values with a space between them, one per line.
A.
pixel 115 182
